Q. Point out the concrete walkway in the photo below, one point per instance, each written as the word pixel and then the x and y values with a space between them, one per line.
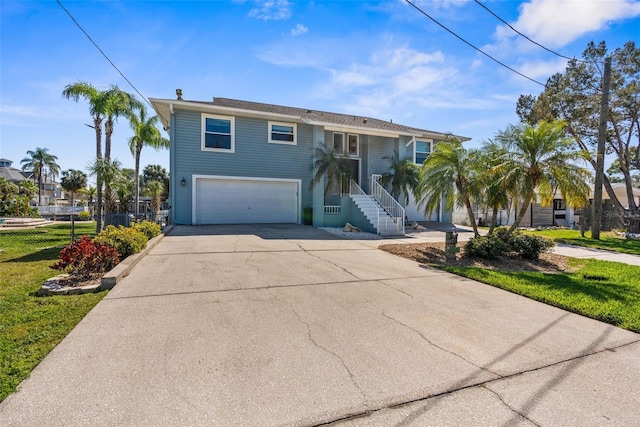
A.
pixel 287 325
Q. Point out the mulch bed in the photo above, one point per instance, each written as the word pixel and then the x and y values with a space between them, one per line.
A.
pixel 434 254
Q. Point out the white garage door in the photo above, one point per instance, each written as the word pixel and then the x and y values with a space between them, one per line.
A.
pixel 245 201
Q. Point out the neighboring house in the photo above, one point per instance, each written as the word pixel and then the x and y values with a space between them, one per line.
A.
pixel 558 214
pixel 11 174
pixel 51 190
pixel 236 161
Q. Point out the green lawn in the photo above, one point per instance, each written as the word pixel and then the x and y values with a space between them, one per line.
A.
pixel 31 326
pixel 608 240
pixel 602 290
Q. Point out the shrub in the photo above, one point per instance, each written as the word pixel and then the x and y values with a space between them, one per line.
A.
pixel 84 216
pixel 149 228
pixel 486 247
pixel 85 257
pixel 499 232
pixel 530 247
pixel 126 240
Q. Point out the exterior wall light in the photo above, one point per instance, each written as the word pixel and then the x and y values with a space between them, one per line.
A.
pixel 183 182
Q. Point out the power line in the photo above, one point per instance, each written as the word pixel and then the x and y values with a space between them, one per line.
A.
pixel 474 47
pixel 523 35
pixel 103 54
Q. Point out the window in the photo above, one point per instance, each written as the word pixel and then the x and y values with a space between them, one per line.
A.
pixel 218 133
pixel 353 145
pixel 559 205
pixel 282 133
pixel 422 151
pixel 338 143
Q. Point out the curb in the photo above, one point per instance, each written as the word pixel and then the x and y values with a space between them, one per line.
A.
pixel 123 268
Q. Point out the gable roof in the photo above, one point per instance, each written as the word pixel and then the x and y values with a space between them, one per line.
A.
pixel 11 174
pixel 313 117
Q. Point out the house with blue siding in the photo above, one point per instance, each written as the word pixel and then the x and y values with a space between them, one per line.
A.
pixel 234 161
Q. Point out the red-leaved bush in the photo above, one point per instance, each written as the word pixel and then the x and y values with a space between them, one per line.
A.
pixel 85 257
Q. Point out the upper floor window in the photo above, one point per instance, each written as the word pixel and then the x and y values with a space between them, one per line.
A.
pixel 218 133
pixel 282 133
pixel 350 146
pixel 421 151
pixel 353 145
pixel 338 143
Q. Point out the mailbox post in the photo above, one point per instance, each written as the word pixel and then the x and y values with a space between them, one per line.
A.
pixel 450 244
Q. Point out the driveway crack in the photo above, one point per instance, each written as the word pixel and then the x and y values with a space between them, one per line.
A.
pixel 330 262
pixel 323 348
pixel 427 340
pixel 511 408
pixel 399 290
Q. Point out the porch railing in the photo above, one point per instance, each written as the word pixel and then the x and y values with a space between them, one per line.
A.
pixel 386 200
pixel 354 188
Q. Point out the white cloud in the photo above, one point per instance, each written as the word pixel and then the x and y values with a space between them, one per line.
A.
pixel 555 23
pixel 542 70
pixel 299 30
pixel 272 10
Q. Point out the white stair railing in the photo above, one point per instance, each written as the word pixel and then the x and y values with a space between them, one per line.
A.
pixel 386 200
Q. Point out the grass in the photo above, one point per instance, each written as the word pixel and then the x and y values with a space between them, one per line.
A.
pixel 31 326
pixel 608 240
pixel 603 290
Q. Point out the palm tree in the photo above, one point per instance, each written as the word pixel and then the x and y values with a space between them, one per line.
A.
pixel 541 158
pixel 118 103
pixel 108 171
pixel 154 189
pixel 28 188
pixel 41 163
pixel 327 162
pixel 449 173
pixel 72 181
pixel 146 133
pixel 98 109
pixel 8 192
pixel 155 173
pixel 402 176
pixel 124 185
pixel 90 193
pixel 494 191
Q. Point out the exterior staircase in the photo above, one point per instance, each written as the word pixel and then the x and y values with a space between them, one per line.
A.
pixel 380 219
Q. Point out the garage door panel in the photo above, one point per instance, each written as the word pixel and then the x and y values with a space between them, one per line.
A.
pixel 237 201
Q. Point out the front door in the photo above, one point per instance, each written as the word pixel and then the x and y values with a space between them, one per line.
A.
pixel 353 168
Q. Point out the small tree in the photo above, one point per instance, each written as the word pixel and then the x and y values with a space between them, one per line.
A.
pixel 154 189
pixel 327 162
pixel 73 181
pixel 402 177
pixel 449 173
pixel 41 163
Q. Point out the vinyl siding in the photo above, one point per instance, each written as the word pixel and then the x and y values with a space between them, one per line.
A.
pixel 254 157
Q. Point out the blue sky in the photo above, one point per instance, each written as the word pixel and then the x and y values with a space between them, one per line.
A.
pixel 379 59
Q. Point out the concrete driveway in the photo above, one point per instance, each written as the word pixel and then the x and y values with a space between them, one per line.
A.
pixel 287 325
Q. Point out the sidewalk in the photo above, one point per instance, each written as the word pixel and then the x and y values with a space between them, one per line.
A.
pixel 582 252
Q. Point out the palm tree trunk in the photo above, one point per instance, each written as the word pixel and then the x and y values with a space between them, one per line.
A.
pixel 493 220
pixel 73 222
pixel 523 211
pixel 98 129
pixel 40 187
pixel 137 178
pixel 472 217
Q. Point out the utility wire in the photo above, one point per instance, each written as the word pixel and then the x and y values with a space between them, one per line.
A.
pixel 103 54
pixel 474 47
pixel 523 35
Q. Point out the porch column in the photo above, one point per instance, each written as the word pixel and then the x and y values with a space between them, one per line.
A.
pixel 318 188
